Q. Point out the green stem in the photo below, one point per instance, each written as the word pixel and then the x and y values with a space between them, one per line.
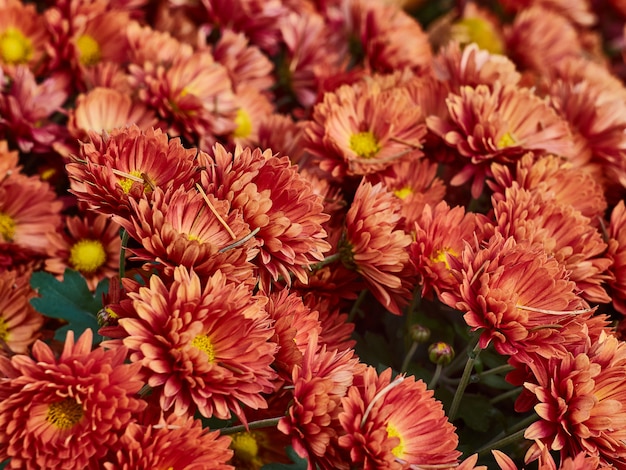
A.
pixel 503 396
pixel 125 238
pixel 356 305
pixel 409 355
pixel 516 433
pixel 326 261
pixel 262 423
pixel 465 378
pixel 496 370
pixel 435 379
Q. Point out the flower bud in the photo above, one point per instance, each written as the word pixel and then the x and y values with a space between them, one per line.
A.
pixel 441 353
pixel 419 333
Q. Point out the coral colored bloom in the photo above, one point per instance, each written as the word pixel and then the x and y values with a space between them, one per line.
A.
pixel 515 294
pixel 202 347
pixel 113 168
pixel 177 443
pixel 90 246
pixel 395 424
pixel 252 108
pixel 22 36
pixel 66 412
pixel 577 11
pixel 375 246
pixel 19 322
pixel 617 253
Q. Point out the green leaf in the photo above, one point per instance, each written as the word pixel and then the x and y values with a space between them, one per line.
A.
pixel 298 462
pixel 69 300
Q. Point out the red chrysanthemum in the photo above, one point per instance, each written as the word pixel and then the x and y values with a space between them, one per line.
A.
pixel 516 294
pixel 66 412
pixel 395 424
pixel 617 254
pixel 375 247
pixel 204 347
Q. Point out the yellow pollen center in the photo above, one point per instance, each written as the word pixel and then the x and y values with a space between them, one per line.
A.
pixel 245 446
pixel 7 227
pixel 481 32
pixel 4 330
pixel 507 140
pixel 87 255
pixel 203 342
pixel 89 50
pixel 398 450
pixel 364 144
pixel 15 48
pixel 440 256
pixel 244 124
pixel 65 414
pixel 127 183
pixel 403 193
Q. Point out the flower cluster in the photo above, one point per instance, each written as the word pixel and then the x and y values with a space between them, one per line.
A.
pixel 338 234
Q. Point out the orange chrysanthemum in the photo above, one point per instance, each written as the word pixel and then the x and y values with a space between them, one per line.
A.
pixel 177 443
pixel 375 246
pixel 577 11
pixel 204 347
pixel 115 167
pixel 363 129
pixel 91 246
pixel 580 402
pixel 439 233
pixel 498 125
pixel 516 295
pixel 66 412
pixel 395 424
pixel 19 322
pixel 617 254
pixel 22 36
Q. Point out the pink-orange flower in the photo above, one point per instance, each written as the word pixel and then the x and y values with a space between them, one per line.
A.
pixel 617 254
pixel 395 424
pixel 581 402
pixel 577 11
pixel 176 443
pixel 19 322
pixel 66 412
pixel 202 347
pixel 375 246
pixel 113 168
pixel 91 246
pixel 516 295
pixel 498 125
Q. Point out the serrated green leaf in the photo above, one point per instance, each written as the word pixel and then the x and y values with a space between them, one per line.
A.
pixel 69 300
pixel 298 462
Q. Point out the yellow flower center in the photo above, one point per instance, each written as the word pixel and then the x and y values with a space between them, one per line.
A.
pixel 364 144
pixel 507 140
pixel 392 431
pixel 89 50
pixel 481 32
pixel 4 330
pixel 7 227
pixel 15 48
pixel 127 183
pixel 440 256
pixel 65 414
pixel 203 342
pixel 87 255
pixel 245 446
pixel 403 193
pixel 244 124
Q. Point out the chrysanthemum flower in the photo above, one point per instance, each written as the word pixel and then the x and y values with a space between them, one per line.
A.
pixel 376 247
pixel 395 424
pixel 617 253
pixel 517 295
pixel 204 347
pixel 567 235
pixel 147 45
pixel 580 402
pixel 498 125
pixel 281 134
pixel 275 199
pixel 114 168
pixel 66 412
pixel 9 160
pixel 90 246
pixel 577 11
pixel 477 24
pixel 362 129
pixel 22 36
pixel 26 109
pixel 415 184
pixel 439 232
pixel 29 210
pixel 581 461
pixel 185 227
pixel 177 443
pixel 104 109
pixel 473 66
pixel 539 38
pixel 312 419
pixel 19 321
pixel 252 107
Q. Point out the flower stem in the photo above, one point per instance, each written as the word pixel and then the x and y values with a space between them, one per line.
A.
pixel 503 396
pixel 326 261
pixel 125 238
pixel 262 423
pixel 517 433
pixel 435 379
pixel 465 378
pixel 356 305
pixel 409 355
